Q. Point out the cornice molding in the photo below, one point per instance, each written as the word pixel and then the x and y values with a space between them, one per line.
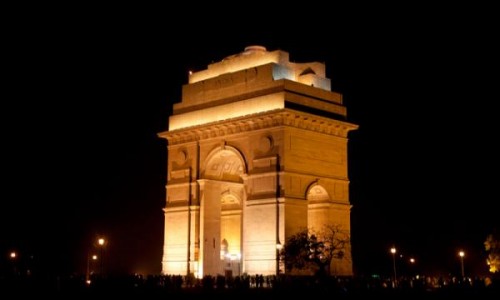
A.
pixel 265 120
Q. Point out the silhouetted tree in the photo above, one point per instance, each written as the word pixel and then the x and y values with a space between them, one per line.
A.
pixel 310 250
pixel 492 246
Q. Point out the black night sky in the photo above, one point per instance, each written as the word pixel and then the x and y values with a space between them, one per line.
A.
pixel 83 98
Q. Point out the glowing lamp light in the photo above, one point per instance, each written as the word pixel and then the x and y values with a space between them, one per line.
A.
pixel 462 254
pixel 393 251
pixel 279 246
pixel 101 242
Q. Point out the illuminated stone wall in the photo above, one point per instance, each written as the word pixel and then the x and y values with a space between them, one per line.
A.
pixel 257 150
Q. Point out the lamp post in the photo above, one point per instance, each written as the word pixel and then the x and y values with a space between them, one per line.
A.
pixel 87 273
pixel 238 259
pixel 393 251
pixel 101 242
pixel 278 260
pixel 13 258
pixel 462 254
pixel 412 266
pixel 89 258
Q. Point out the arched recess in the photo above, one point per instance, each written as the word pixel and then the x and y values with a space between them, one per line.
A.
pixel 317 193
pixel 226 164
pixel 318 207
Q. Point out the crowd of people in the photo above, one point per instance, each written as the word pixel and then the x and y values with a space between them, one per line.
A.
pixel 176 285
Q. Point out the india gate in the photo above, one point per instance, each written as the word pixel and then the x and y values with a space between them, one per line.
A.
pixel 257 151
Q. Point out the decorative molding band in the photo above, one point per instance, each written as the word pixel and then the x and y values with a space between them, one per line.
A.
pixel 280 117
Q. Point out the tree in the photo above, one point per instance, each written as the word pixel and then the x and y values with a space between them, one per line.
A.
pixel 313 251
pixel 492 246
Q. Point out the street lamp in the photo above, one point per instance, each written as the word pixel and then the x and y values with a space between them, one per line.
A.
pixel 13 258
pixel 101 242
pixel 279 246
pixel 412 266
pixel 238 256
pixel 462 254
pixel 89 258
pixel 393 251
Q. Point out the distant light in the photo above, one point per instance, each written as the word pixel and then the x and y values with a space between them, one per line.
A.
pixel 235 256
pixel 13 255
pixel 88 282
pixel 412 260
pixel 393 250
pixel 190 72
pixel 461 254
pixel 94 257
pixel 101 241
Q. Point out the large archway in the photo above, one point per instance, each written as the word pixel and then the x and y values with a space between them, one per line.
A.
pixel 224 187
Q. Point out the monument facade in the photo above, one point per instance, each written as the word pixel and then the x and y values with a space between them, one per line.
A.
pixel 257 151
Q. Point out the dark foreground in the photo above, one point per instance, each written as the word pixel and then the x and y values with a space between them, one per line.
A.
pixel 176 287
